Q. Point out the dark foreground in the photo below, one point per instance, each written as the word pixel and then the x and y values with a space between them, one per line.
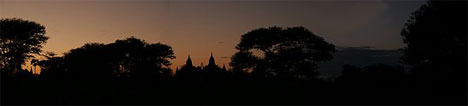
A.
pixel 117 92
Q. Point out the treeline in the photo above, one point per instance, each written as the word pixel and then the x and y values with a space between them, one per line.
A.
pixel 272 65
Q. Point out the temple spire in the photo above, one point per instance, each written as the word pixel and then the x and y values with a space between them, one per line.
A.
pixel 189 61
pixel 224 67
pixel 212 60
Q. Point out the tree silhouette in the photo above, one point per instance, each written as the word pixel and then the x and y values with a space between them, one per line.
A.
pixel 52 68
pixel 269 67
pixel 129 57
pixel 19 40
pixel 284 53
pixel 141 59
pixel 435 38
pixel 90 61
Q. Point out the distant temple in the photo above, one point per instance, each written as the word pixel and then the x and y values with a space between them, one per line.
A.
pixel 212 61
pixel 189 62
pixel 211 67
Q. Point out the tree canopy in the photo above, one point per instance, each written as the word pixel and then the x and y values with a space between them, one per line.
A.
pixel 129 57
pixel 436 32
pixel 19 40
pixel 436 47
pixel 284 53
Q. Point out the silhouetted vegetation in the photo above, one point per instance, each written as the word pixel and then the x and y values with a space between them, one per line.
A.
pixel 436 48
pixel 291 53
pixel 20 40
pixel 272 65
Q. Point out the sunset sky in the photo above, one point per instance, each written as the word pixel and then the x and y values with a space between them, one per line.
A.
pixel 198 27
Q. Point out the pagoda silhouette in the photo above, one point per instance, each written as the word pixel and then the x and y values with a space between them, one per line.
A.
pixel 190 72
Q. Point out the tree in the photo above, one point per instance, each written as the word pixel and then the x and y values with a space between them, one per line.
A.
pixel 436 33
pixel 140 58
pixel 282 53
pixel 19 40
pixel 435 38
pixel 52 68
pixel 89 61
pixel 128 57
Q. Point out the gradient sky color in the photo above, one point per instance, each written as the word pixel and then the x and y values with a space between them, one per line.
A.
pixel 200 27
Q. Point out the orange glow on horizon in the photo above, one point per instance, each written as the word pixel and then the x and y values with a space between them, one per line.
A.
pixel 198 28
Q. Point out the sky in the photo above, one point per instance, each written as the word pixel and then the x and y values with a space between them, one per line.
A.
pixel 199 27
